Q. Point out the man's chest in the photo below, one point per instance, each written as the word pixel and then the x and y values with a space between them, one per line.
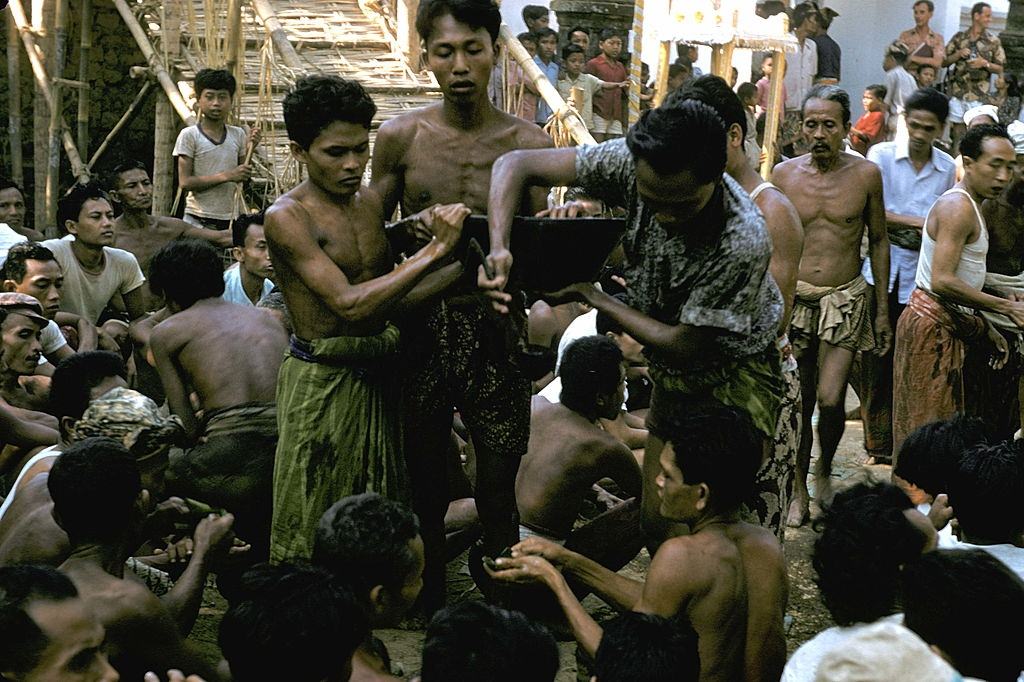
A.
pixel 448 170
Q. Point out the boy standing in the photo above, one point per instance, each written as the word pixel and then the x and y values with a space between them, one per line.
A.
pixel 547 45
pixel 608 107
pixel 869 128
pixel 211 154
pixel 899 86
pixel 574 58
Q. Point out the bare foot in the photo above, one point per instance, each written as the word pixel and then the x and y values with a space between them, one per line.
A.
pixel 822 488
pixel 799 511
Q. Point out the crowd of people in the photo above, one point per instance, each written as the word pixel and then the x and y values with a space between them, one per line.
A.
pixel 355 401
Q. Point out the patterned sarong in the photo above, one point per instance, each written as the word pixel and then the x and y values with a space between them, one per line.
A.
pixel 339 433
pixel 839 316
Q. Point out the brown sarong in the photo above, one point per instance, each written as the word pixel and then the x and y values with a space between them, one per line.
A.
pixel 839 316
pixel 928 365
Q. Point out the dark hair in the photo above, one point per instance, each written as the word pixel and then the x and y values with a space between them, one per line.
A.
pixel 718 446
pixel 801 12
pixel 21 640
pixel 929 455
pixel 7 183
pixel 716 93
pixel 476 641
pixel 69 207
pixel 76 376
pixel 185 271
pixel 899 52
pixel 14 267
pixel 679 66
pixel 642 647
pixel 928 99
pixel 745 91
pixel 214 79
pixel 921 68
pixel 364 541
pixel 542 33
pixel 928 3
pixel 123 167
pixel 607 33
pixel 590 367
pixel 291 623
pixel 974 138
pixel 605 323
pixel 984 487
pixel 571 49
pixel 474 13
pixel 978 8
pixel 681 135
pixel 829 93
pixel 961 602
pixel 865 538
pixel 878 90
pixel 534 12
pixel 240 228
pixel 94 484
pixel 577 29
pixel 527 36
pixel 317 101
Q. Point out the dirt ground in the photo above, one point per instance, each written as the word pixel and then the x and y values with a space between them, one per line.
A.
pixel 807 612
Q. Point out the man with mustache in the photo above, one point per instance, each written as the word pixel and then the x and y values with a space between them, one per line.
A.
pixel 837 195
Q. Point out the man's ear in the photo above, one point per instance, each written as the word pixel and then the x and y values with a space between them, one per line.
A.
pixel 114 195
pixel 378 599
pixel 297 151
pixel 703 496
pixel 69 224
pixel 10 285
pixel 236 251
pixel 735 135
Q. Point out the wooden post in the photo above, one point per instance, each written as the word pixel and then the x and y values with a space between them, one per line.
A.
pixel 636 63
pixel 57 53
pixel 664 59
pixel 721 60
pixel 84 55
pixel 775 113
pixel 14 101
pixel 42 32
pixel 277 35
pixel 168 110
pixel 234 37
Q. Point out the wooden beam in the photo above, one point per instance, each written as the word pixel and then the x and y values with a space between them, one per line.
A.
pixel 84 55
pixel 14 101
pixel 54 129
pixel 42 33
pixel 278 37
pixel 775 113
pixel 234 37
pixel 664 59
pixel 165 130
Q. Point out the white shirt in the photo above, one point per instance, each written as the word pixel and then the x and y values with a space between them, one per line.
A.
pixel 209 158
pixel 1011 555
pixel 803 664
pixel 899 86
pixel 86 294
pixel 800 70
pixel 8 238
pixel 51 339
pixel 235 292
pixel 584 325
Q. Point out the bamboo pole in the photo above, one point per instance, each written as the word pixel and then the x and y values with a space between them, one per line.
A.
pixel 84 55
pixel 721 60
pixel 775 113
pixel 635 63
pixel 159 69
pixel 234 36
pixel 42 33
pixel 14 101
pixel 664 58
pixel 58 50
pixel 547 90
pixel 165 130
pixel 126 118
pixel 277 35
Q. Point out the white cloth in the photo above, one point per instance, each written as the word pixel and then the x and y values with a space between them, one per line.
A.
pixel 51 339
pixel 947 539
pixel 51 451
pixel 235 292
pixel 803 664
pixel 209 158
pixel 800 71
pixel 908 192
pixel 583 325
pixel 1011 555
pixel 971 268
pixel 86 294
pixel 884 652
pixel 8 238
pixel 899 85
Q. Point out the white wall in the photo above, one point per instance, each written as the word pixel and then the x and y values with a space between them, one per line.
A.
pixel 512 14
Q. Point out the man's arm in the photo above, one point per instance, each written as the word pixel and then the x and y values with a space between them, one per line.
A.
pixel 878 239
pixel 289 233
pixel 166 346
pixel 787 233
pixel 88 337
pixel 32 235
pixel 20 431
pixel 387 173
pixel 197 183
pixel 430 287
pixel 619 464
pixel 219 238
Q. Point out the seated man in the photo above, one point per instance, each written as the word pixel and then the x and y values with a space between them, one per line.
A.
pixel 247 282
pixel 235 382
pixel 99 501
pixel 640 646
pixel 983 490
pixel 867 533
pixel 12 211
pixel 46 630
pixel 962 603
pixel 728 578
pixel 291 623
pixel 21 329
pixel 569 453
pixel 476 641
pixel 95 273
pixel 33 270
pixel 373 546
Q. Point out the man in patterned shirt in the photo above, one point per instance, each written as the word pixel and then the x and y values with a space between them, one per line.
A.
pixel 972 57
pixel 697 254
pixel 927 47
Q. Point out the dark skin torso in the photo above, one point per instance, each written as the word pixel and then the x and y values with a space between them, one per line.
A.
pixel 28 533
pixel 567 455
pixel 1004 218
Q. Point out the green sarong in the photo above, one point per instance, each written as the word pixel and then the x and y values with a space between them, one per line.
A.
pixel 338 433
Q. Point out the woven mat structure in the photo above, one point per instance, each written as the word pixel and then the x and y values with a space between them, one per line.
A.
pixel 342 37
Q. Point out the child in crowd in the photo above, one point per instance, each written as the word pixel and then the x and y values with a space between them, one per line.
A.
pixel 926 76
pixel 747 92
pixel 646 91
pixel 608 109
pixel 573 59
pixel 869 128
pixel 899 85
pixel 536 17
pixel 547 45
pixel 211 154
pixel 764 86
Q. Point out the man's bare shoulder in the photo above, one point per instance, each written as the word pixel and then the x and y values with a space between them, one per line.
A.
pixel 758 540
pixel 171 224
pixel 171 334
pixel 401 129
pixel 122 602
pixel 868 170
pixel 782 172
pixel 288 213
pixel 528 135
pixel 953 208
pixel 777 209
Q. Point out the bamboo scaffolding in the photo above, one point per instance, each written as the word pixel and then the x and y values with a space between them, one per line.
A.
pixel 170 88
pixel 125 119
pixel 664 59
pixel 42 32
pixel 168 110
pixel 775 113
pixel 14 101
pixel 277 35
pixel 84 55
pixel 562 111
pixel 59 48
pixel 234 37
pixel 636 63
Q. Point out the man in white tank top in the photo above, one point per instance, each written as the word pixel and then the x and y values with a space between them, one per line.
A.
pixel 941 323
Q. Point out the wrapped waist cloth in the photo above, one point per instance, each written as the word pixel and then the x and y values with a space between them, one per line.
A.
pixel 1010 284
pixel 839 316
pixel 258 418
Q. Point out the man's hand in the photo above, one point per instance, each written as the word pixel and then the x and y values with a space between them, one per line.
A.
pixel 445 224
pixel 493 277
pixel 172 676
pixel 580 291
pixel 883 334
pixel 572 209
pixel 940 513
pixel 1002 349
pixel 255 135
pixel 240 173
pixel 963 53
pixel 524 569
pixel 534 546
pixel 179 552
pixel 1014 310
pixel 214 535
pixel 977 62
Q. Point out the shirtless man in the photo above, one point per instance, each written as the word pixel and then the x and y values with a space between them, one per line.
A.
pixel 99 501
pixel 337 411
pixel 12 210
pixel 230 356
pixel 457 355
pixel 21 328
pixel 727 578
pixel 837 196
pixel 569 453
pixel 142 234
pixel 770 504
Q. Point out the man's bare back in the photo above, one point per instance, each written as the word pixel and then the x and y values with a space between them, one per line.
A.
pixel 28 533
pixel 566 456
pixel 834 208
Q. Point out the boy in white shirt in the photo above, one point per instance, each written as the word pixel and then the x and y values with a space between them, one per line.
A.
pixel 573 60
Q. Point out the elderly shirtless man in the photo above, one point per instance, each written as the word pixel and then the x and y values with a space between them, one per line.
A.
pixel 837 195
pixel 230 356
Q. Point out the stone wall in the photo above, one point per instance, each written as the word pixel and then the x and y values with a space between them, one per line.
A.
pixel 593 16
pixel 111 92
